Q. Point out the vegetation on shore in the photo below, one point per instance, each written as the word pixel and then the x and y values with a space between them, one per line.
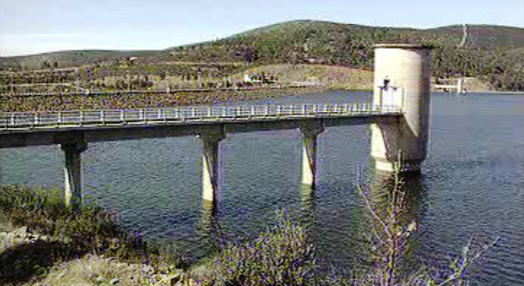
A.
pixel 43 240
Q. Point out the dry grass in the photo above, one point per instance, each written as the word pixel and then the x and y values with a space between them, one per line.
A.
pixel 96 270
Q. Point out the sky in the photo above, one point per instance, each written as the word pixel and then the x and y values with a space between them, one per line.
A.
pixel 36 26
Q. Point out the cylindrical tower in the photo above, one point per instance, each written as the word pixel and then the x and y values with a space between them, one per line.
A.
pixel 402 79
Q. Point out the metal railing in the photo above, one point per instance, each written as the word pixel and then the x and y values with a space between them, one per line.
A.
pixel 185 115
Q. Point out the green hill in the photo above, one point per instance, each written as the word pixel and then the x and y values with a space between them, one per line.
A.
pixel 494 53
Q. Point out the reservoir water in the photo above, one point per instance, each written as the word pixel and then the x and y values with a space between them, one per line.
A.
pixel 472 184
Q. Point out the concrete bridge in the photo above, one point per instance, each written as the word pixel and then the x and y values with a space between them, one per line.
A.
pixel 398 115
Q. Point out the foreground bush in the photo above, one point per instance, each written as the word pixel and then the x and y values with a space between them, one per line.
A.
pixel 280 256
pixel 87 229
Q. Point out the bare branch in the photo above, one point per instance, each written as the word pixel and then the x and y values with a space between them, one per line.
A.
pixel 373 213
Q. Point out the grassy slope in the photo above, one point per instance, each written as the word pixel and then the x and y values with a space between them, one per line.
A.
pixel 41 238
pixel 486 35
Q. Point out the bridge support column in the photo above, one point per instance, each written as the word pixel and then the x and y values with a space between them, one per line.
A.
pixel 405 69
pixel 310 130
pixel 211 165
pixel 73 173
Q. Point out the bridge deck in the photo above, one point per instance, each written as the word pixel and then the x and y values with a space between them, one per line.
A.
pixel 70 120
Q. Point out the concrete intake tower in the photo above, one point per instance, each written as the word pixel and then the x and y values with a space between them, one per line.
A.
pixel 402 79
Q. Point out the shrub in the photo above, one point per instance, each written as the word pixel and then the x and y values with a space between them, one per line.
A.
pixel 280 256
pixel 87 229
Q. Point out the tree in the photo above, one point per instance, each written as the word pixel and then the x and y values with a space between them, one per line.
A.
pixel 250 54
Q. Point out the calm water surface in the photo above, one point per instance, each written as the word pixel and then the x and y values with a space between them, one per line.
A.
pixel 472 184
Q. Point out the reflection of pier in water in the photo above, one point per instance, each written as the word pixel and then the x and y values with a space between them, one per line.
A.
pixel 212 236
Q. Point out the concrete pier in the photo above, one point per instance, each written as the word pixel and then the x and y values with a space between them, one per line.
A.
pixel 310 131
pixel 73 173
pixel 211 164
pixel 403 79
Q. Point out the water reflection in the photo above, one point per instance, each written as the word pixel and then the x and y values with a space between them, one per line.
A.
pixel 308 213
pixel 309 203
pixel 212 233
pixel 209 231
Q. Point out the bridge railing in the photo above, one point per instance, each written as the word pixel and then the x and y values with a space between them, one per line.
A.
pixel 57 119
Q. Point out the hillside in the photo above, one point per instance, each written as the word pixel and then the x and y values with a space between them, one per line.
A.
pixel 486 36
pixel 493 53
pixel 78 58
